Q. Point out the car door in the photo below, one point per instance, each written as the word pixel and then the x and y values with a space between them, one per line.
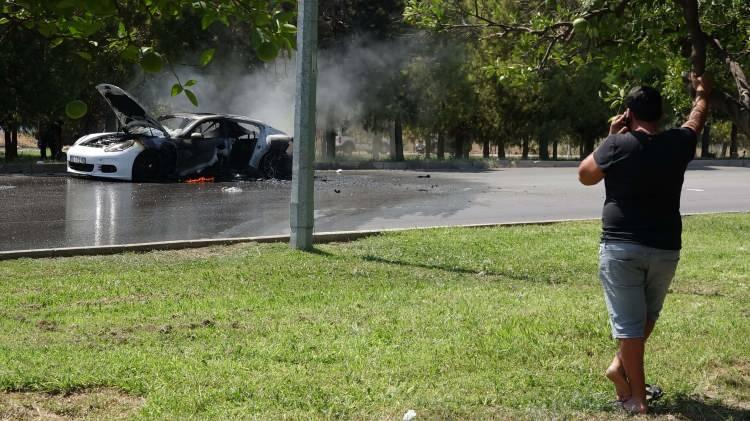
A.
pixel 244 137
pixel 206 145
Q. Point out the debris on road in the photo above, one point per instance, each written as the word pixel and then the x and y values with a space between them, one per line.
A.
pixel 231 190
pixel 424 176
pixel 339 171
pixel 337 191
pixel 200 180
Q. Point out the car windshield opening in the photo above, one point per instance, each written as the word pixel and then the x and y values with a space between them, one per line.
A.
pixel 174 123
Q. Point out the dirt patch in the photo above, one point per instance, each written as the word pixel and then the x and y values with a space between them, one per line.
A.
pixel 731 385
pixel 104 403
pixel 24 139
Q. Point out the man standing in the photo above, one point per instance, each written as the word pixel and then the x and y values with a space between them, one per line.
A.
pixel 643 169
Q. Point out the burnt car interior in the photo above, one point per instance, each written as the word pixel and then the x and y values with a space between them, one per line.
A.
pixel 225 144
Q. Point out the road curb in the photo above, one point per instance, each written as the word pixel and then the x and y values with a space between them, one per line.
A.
pixel 318 238
pixel 33 168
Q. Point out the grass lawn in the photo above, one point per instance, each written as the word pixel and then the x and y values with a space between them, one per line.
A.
pixel 500 323
pixel 23 155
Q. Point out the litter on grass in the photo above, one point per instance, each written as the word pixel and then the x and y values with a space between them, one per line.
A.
pixel 410 415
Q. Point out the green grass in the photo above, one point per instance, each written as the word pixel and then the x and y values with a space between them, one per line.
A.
pixel 24 155
pixel 454 323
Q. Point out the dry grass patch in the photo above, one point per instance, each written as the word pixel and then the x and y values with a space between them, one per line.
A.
pixel 103 403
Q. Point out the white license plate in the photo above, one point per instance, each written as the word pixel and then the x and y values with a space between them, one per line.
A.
pixel 77 159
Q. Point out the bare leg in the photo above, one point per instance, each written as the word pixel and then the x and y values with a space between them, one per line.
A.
pixel 649 328
pixel 631 351
pixel 616 372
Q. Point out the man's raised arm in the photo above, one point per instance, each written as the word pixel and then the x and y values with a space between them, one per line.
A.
pixel 699 113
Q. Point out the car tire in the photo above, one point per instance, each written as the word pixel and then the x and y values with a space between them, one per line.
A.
pixel 146 167
pixel 276 165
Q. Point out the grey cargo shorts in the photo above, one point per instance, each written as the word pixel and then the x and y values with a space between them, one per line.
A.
pixel 635 279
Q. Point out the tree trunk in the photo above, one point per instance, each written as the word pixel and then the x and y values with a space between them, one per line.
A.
pixel 525 149
pixel 706 141
pixel 397 142
pixel 14 141
pixel 588 145
pixel 11 142
pixel 329 145
pixel 441 146
pixel 500 149
pixel 733 143
pixel 428 146
pixel 376 142
pixel 6 132
pixel 486 149
pixel 458 145
pixel 554 150
pixel 543 148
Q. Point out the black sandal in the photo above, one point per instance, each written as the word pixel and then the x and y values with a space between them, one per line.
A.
pixel 653 392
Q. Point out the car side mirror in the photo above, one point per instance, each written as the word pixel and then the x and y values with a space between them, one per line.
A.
pixel 196 135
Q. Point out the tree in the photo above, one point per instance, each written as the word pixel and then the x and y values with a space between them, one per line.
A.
pixel 55 51
pixel 135 30
pixel 635 42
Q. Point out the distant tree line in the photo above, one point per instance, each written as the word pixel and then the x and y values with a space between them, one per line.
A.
pixel 535 76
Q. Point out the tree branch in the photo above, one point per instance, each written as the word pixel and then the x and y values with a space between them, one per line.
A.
pixel 697 37
pixel 743 88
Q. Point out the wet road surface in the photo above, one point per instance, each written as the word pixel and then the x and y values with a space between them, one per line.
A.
pixel 57 211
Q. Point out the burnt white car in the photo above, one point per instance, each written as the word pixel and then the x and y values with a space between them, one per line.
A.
pixel 179 146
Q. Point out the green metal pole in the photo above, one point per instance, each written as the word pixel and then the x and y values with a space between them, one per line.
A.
pixel 303 201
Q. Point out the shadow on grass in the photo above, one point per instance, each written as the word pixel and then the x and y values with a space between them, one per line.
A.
pixel 319 252
pixel 698 408
pixel 462 271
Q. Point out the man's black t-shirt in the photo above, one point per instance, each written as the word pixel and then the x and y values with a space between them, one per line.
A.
pixel 643 179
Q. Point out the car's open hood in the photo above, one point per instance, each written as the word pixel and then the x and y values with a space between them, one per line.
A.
pixel 129 112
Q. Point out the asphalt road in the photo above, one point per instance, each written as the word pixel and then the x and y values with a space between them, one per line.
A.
pixel 56 211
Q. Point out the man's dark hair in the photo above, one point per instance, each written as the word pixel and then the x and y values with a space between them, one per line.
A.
pixel 645 103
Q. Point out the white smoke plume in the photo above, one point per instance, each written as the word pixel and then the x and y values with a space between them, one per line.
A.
pixel 346 77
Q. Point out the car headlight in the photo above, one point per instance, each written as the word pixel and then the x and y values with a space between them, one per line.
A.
pixel 119 147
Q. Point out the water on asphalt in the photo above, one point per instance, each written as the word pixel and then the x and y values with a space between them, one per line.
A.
pixel 58 211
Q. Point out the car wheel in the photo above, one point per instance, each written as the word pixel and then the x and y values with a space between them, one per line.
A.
pixel 146 167
pixel 276 165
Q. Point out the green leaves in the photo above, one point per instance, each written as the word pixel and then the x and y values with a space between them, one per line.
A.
pixel 76 109
pixel 68 20
pixel 152 62
pixel 207 56
pixel 267 51
pixel 191 96
pixel 84 55
pixel 176 89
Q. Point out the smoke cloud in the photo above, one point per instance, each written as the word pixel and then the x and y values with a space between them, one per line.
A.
pixel 349 77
